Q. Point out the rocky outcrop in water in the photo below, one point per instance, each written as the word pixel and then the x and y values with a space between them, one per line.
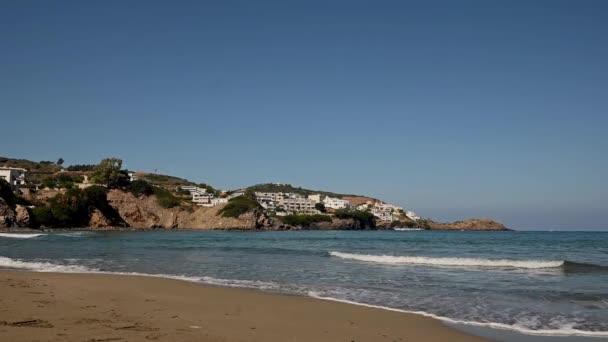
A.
pixel 469 225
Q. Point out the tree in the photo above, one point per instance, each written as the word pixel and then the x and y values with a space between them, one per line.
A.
pixel 109 173
pixel 60 161
pixel 320 207
pixel 6 192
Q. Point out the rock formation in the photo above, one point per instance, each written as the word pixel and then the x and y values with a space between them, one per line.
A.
pixel 7 215
pixel 22 216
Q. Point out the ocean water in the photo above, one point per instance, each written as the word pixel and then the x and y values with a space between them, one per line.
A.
pixel 535 283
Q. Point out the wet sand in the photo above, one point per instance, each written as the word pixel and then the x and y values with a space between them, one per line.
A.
pixel 99 307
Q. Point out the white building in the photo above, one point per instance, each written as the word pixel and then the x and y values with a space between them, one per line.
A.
pixel 12 175
pixel 335 203
pixel 315 197
pixel 290 202
pixel 199 195
pixel 383 213
pixel 133 176
pixel 412 215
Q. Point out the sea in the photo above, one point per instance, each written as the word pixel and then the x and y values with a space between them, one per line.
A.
pixel 511 286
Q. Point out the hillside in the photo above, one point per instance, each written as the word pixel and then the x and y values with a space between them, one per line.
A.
pixel 36 170
pixel 163 205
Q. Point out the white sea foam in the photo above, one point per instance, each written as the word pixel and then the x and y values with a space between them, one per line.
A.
pixel 419 260
pixel 51 267
pixel 565 330
pixel 20 235
pixel 43 266
pixel 75 234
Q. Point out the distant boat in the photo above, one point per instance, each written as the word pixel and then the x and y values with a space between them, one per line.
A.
pixel 406 229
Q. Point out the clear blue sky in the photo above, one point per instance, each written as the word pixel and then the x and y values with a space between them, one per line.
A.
pixel 456 109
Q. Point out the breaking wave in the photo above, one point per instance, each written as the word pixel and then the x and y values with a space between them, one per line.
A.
pixel 20 236
pixel 565 330
pixel 38 266
pixel 431 261
pixel 43 266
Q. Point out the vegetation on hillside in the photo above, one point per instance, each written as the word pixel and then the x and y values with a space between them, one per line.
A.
pixel 164 180
pixel 36 170
pixel 61 181
pixel 304 220
pixel 73 208
pixel 165 198
pixel 240 205
pixel 365 218
pixel 82 167
pixel 141 187
pixel 109 172
pixel 6 192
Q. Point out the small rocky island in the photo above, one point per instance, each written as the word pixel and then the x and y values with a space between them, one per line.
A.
pixel 47 195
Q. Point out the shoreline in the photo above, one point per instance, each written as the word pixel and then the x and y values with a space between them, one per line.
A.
pixel 108 307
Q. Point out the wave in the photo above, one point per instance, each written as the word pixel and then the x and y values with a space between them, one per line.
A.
pixel 419 260
pixel 20 235
pixel 580 267
pixel 565 330
pixel 58 268
pixel 43 266
pixel 76 234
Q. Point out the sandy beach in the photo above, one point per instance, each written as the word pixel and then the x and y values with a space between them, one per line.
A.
pixel 99 307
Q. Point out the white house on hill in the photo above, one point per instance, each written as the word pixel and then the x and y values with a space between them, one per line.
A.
pixel 14 176
pixel 336 203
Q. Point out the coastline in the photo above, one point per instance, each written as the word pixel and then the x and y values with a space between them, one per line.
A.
pixel 104 307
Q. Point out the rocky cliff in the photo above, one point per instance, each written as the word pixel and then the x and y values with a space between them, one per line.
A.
pixel 17 217
pixel 144 212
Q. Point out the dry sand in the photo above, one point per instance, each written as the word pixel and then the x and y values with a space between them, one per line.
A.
pixel 98 307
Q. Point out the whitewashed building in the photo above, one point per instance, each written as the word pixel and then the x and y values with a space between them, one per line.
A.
pixel 412 215
pixel 315 197
pixel 199 195
pixel 13 175
pixel 288 201
pixel 383 213
pixel 335 203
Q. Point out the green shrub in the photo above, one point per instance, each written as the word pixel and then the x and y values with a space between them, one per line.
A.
pixel 6 192
pixel 181 191
pixel 73 208
pixel 61 181
pixel 239 206
pixel 401 224
pixel 83 167
pixel 141 187
pixel 365 218
pixel 42 216
pixel 165 198
pixel 304 220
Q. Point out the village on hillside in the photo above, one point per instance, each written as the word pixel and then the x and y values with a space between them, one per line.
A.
pixel 277 203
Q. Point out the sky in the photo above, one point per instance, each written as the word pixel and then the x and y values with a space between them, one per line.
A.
pixel 455 109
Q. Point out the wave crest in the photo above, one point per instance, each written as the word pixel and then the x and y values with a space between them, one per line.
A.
pixel 20 235
pixel 419 260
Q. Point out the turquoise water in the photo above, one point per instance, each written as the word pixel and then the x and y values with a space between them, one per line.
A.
pixel 544 283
